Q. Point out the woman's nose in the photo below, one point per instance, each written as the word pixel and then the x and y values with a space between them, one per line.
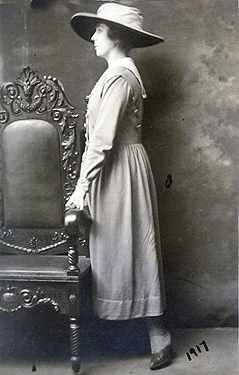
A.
pixel 93 37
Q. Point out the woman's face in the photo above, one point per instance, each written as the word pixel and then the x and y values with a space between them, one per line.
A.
pixel 102 43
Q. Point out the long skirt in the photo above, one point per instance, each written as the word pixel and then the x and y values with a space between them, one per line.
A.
pixel 127 272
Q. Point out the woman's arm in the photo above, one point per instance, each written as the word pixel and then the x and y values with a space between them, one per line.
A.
pixel 114 99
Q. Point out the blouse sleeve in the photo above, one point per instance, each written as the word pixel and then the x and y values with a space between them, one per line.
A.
pixel 114 99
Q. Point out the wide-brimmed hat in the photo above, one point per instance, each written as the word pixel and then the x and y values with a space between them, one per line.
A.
pixel 128 18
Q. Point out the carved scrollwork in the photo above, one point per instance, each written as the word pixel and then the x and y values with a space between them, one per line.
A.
pixel 7 233
pixel 12 299
pixel 4 116
pixel 35 244
pixel 28 298
pixel 28 94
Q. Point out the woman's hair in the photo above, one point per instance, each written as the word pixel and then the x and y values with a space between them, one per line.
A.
pixel 121 35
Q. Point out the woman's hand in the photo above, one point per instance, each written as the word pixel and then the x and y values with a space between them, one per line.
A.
pixel 77 199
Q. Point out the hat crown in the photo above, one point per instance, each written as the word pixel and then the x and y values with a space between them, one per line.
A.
pixel 121 14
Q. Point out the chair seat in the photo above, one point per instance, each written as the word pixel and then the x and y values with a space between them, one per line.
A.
pixel 40 267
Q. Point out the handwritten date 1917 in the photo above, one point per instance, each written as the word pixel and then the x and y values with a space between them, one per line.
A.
pixel 193 351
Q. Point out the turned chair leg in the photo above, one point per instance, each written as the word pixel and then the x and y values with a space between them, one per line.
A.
pixel 71 228
pixel 75 345
pixel 73 268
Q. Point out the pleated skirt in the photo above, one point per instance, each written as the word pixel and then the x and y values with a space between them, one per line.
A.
pixel 127 271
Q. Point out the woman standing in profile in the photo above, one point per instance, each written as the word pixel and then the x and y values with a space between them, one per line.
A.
pixel 116 181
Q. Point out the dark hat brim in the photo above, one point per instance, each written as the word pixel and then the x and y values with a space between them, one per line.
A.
pixel 84 25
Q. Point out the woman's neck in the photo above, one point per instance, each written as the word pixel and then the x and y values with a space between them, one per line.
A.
pixel 115 55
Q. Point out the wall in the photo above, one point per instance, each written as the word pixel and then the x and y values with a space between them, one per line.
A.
pixel 190 130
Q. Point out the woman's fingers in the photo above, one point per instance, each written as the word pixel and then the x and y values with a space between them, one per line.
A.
pixel 77 199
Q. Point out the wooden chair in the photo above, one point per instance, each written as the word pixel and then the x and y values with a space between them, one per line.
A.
pixel 39 261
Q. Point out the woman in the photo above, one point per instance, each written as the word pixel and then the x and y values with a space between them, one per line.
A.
pixel 117 183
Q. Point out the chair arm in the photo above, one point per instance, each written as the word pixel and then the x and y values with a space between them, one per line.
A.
pixel 71 222
pixel 75 218
pixel 75 223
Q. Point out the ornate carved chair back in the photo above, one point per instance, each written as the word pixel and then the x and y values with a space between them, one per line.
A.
pixel 39 163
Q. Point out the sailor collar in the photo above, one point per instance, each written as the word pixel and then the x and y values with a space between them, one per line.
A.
pixel 128 63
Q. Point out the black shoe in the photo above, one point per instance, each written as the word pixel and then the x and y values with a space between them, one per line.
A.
pixel 161 359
